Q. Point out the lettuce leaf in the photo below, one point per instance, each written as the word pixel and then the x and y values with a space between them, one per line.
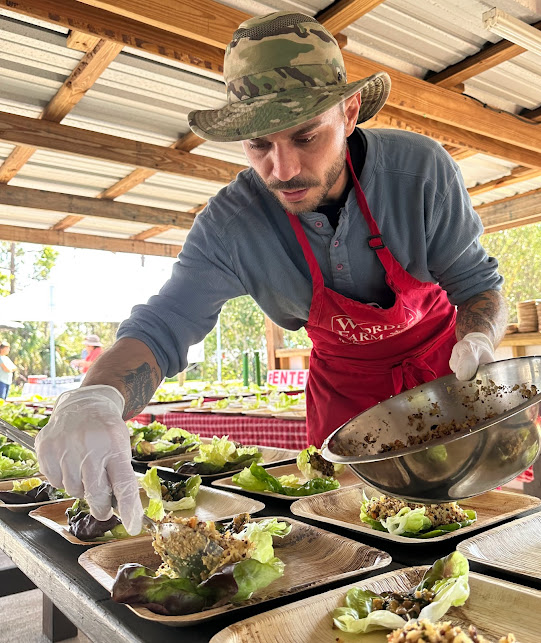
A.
pixel 307 464
pixel 17 461
pixel 407 520
pixel 157 506
pixel 447 578
pixel 256 478
pixel 412 523
pixel 251 575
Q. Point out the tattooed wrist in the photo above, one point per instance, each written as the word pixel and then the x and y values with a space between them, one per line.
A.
pixel 139 385
pixel 484 313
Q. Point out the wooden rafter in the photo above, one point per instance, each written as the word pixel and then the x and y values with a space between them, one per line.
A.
pixel 343 13
pixel 156 230
pixel 521 209
pixel 73 140
pixel 197 20
pixel 396 118
pixel 76 240
pixel 81 79
pixel 81 41
pixel 88 206
pixel 517 175
pixel 215 22
pixel 129 33
pixel 490 56
pixel 409 94
pixel 185 143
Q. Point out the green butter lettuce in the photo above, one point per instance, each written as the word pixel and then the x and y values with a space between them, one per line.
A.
pixel 157 506
pixel 256 478
pixel 221 455
pixel 412 523
pixel 17 461
pixel 160 593
pixel 263 567
pixel 308 460
pixel 447 578
pixel 407 520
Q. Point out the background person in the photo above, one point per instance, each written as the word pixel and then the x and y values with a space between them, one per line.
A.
pixel 343 231
pixel 7 368
pixel 93 349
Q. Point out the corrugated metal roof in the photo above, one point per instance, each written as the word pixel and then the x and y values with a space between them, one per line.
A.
pixel 147 98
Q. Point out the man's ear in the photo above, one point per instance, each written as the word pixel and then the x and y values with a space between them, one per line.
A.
pixel 352 105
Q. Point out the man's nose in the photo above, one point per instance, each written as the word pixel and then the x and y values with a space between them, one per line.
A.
pixel 286 164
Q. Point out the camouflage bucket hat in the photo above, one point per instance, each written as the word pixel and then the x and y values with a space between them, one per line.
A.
pixel 280 71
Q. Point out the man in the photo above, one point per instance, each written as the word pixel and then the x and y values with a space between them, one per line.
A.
pixel 7 368
pixel 94 348
pixel 371 253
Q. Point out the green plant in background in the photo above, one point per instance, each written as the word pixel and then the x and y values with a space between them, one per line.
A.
pixel 519 255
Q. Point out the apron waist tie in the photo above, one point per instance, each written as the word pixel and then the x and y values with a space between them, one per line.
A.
pixel 410 373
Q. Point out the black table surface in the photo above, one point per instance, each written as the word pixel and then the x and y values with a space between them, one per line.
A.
pixel 51 563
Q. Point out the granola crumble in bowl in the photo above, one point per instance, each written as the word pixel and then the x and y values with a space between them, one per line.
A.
pixel 447 440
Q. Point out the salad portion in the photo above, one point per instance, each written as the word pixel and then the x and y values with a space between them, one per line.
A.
pixel 221 455
pixel 163 495
pixel 412 520
pixel 154 441
pixel 16 461
pixel 446 632
pixel 32 490
pixel 443 586
pixel 320 475
pixel 204 564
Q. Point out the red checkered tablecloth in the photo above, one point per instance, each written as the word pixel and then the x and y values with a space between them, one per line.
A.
pixel 272 432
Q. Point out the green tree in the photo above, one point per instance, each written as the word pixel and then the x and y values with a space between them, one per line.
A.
pixel 518 251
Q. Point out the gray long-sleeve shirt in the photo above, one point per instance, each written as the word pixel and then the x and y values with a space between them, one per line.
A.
pixel 243 243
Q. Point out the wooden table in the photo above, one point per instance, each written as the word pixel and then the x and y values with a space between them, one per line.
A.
pixel 50 562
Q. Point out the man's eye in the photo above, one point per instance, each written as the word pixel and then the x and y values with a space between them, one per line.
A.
pixel 305 140
pixel 257 146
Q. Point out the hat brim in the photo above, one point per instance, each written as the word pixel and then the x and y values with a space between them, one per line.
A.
pixel 271 113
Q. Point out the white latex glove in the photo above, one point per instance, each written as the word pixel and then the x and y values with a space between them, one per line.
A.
pixel 85 449
pixel 471 351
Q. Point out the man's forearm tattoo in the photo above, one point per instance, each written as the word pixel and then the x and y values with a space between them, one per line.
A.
pixel 484 313
pixel 139 387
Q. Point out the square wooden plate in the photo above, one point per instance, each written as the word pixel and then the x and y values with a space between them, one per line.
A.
pixel 211 504
pixel 271 455
pixel 343 506
pixel 312 557
pixel 514 547
pixel 7 485
pixel 310 620
pixel 348 478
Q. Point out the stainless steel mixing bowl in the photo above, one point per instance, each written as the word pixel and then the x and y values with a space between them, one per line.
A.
pixel 502 406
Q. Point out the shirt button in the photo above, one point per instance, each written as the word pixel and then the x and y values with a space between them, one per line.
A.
pixel 319 224
pixel 336 244
pixel 339 266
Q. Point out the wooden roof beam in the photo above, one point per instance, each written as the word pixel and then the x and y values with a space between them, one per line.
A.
pixel 521 209
pixel 76 240
pixel 87 206
pixel 517 175
pixel 344 13
pixel 409 94
pixel 185 143
pixel 156 230
pixel 399 119
pixel 490 56
pixel 126 32
pixel 81 79
pixel 22 130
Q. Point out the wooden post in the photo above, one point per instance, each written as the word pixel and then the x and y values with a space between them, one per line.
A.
pixel 275 339
pixel 56 626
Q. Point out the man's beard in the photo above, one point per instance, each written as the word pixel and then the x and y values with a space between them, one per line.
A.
pixel 298 183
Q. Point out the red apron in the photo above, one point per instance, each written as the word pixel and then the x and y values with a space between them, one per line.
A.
pixel 363 354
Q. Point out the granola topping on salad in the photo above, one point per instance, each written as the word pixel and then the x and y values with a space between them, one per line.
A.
pixel 424 631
